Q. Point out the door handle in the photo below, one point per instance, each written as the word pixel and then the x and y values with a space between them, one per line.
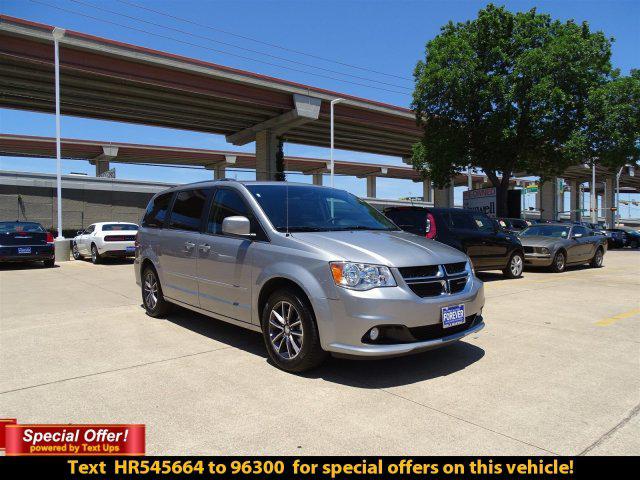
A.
pixel 205 248
pixel 188 246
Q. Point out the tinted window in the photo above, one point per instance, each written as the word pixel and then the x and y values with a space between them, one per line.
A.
pixel 302 208
pixel 226 203
pixel 519 224
pixel 461 221
pixel 187 210
pixel 6 227
pixel 483 223
pixel 90 229
pixel 580 230
pixel 112 227
pixel 157 211
pixel 409 219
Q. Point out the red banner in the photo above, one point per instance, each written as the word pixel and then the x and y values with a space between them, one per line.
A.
pixel 74 440
pixel 3 423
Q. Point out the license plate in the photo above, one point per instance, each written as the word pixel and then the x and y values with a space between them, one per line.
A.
pixel 452 316
pixel 131 249
pixel 24 250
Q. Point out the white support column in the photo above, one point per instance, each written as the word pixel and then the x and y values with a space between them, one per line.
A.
pixel 371 186
pixel 427 191
pixel 317 179
pixel 560 194
pixel 443 197
pixel 575 201
pixel 266 148
pixel 220 169
pixel 549 199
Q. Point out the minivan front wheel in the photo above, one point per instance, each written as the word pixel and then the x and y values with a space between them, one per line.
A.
pixel 290 332
pixel 152 298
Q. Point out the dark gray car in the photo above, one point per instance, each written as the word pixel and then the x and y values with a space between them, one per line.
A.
pixel 557 245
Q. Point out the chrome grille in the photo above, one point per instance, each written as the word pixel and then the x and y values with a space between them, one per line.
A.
pixel 434 280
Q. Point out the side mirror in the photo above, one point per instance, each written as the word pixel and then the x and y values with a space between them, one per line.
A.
pixel 237 225
pixel 79 232
pixel 577 235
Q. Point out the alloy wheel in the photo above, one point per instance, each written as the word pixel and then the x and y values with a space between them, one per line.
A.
pixel 516 265
pixel 599 258
pixel 76 252
pixel 560 262
pixel 150 291
pixel 286 333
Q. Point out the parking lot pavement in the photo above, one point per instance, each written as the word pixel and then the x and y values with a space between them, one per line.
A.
pixel 554 372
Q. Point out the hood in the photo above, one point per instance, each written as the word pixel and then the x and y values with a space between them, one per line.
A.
pixel 539 241
pixel 394 249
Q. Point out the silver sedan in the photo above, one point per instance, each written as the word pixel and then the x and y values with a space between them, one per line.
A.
pixel 559 245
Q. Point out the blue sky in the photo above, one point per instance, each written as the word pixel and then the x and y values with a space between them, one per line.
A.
pixel 385 36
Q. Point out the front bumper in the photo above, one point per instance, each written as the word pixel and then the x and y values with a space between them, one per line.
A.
pixel 537 259
pixel 347 319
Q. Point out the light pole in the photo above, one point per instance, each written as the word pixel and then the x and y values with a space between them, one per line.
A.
pixel 594 200
pixel 58 33
pixel 617 215
pixel 333 102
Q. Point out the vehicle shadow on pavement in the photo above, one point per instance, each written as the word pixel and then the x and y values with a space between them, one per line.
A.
pixel 379 373
pixel 395 372
pixel 25 266
pixel 494 276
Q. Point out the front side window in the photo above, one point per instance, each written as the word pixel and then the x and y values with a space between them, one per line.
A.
pixel 580 231
pixel 300 208
pixel 157 211
pixel 226 203
pixel 187 210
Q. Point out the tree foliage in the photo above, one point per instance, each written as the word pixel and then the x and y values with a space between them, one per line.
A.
pixel 611 134
pixel 505 93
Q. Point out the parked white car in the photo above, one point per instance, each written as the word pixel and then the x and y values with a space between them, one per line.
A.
pixel 105 239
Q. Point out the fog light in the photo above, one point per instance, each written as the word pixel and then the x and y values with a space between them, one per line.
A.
pixel 374 333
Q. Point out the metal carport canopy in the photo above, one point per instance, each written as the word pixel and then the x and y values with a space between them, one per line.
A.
pixel 110 80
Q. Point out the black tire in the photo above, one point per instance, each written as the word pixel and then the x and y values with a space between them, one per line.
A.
pixel 95 255
pixel 49 263
pixel 559 263
pixel 598 258
pixel 515 266
pixel 76 253
pixel 155 305
pixel 634 244
pixel 299 331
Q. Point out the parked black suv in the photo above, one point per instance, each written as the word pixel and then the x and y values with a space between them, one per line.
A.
pixel 471 232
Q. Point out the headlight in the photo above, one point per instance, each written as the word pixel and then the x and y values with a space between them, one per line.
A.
pixel 361 276
pixel 471 268
pixel 544 251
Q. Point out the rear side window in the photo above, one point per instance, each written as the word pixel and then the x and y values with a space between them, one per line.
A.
pixel 157 211
pixel 483 222
pixel 187 210
pixel 461 221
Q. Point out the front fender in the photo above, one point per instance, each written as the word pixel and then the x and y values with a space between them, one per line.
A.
pixel 315 280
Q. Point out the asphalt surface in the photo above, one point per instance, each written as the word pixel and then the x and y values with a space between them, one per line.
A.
pixel 556 371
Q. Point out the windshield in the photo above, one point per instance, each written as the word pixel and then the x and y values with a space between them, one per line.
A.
pixel 311 209
pixel 110 227
pixel 8 227
pixel 557 231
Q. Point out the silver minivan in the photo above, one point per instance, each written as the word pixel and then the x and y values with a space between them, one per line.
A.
pixel 316 270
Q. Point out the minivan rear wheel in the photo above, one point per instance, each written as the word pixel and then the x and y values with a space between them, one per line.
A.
pixel 290 332
pixel 154 303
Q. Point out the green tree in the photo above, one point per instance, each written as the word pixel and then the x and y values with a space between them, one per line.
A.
pixel 505 93
pixel 611 134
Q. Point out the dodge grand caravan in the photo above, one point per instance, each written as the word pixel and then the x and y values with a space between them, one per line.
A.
pixel 314 269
